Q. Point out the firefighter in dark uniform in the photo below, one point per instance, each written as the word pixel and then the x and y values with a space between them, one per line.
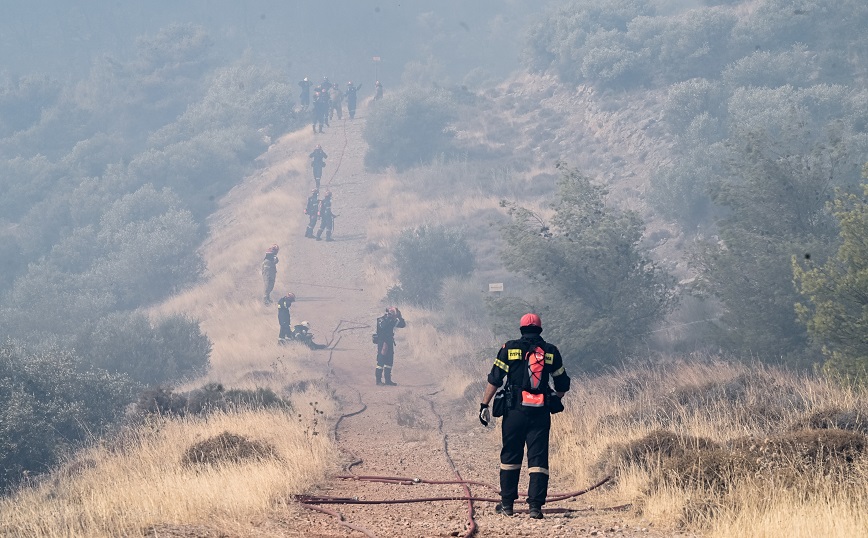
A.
pixel 527 401
pixel 305 93
pixel 385 340
pixel 312 211
pixel 269 271
pixel 318 157
pixel 283 318
pixel 327 218
pixel 351 93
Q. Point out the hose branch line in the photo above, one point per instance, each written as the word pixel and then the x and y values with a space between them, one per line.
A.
pixel 471 523
pixel 353 326
pixel 315 499
pixel 408 481
pixel 341 521
pixel 414 481
pixel 324 285
pixel 341 156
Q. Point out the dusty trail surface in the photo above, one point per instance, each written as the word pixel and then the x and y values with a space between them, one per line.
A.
pixel 411 430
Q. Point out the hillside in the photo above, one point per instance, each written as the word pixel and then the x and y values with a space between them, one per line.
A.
pixel 400 431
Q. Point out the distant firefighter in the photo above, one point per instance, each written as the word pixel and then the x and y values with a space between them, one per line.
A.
pixel 318 157
pixel 327 218
pixel 336 100
pixel 305 93
pixel 385 340
pixel 351 98
pixel 312 212
pixel 320 109
pixel 283 318
pixel 269 271
pixel 378 91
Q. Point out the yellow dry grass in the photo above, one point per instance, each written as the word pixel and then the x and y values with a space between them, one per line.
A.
pixel 139 481
pixel 615 409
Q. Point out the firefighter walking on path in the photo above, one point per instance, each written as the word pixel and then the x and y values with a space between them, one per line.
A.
pixel 312 212
pixel 327 218
pixel 526 403
pixel 283 318
pixel 269 271
pixel 352 95
pixel 318 157
pixel 385 340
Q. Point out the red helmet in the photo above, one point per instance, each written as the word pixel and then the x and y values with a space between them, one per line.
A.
pixel 274 248
pixel 314 190
pixel 290 296
pixel 392 311
pixel 328 194
pixel 530 320
pixel 318 147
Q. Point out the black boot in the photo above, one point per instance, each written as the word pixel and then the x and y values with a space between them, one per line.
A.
pixel 504 508
pixel 379 376
pixel 319 235
pixel 329 236
pixel 535 512
pixel 388 374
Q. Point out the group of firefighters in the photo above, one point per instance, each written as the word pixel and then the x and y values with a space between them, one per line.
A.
pixel 328 99
pixel 524 386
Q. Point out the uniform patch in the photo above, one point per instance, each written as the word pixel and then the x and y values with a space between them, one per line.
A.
pixel 514 354
pixel 550 358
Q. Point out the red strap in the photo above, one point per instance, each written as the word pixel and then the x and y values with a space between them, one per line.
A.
pixel 535 361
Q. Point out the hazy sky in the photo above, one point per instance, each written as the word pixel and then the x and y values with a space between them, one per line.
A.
pixel 338 38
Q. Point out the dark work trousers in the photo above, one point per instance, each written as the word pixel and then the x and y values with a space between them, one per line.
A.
pixel 285 330
pixel 311 224
pixel 385 354
pixel 385 358
pixel 522 426
pixel 317 173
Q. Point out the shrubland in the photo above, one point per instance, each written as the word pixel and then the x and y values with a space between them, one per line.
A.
pixel 105 184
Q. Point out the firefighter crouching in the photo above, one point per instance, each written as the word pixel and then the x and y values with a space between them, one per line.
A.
pixel 526 403
pixel 385 340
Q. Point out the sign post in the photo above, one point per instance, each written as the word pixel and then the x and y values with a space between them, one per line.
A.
pixel 376 60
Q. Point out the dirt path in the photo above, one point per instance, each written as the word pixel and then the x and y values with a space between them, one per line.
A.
pixel 412 430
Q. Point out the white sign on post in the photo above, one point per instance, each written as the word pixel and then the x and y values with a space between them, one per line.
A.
pixel 495 286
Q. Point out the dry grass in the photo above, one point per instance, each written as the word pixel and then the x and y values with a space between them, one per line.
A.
pixel 141 480
pixel 698 444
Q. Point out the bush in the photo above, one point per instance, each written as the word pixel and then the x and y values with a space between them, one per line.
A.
pixel 50 402
pixel 173 349
pixel 408 128
pixel 228 448
pixel 425 257
pixel 599 285
pixel 207 399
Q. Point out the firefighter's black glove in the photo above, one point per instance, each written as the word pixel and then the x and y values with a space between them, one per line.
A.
pixel 484 414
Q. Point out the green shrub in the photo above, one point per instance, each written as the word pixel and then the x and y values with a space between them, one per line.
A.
pixel 425 256
pixel 600 291
pixel 173 349
pixel 408 128
pixel 50 402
